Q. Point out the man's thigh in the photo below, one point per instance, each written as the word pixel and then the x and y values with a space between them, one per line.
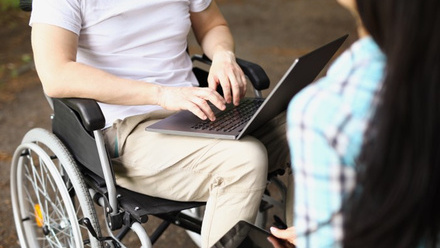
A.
pixel 184 164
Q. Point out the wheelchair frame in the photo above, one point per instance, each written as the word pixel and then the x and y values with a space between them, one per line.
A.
pixel 71 165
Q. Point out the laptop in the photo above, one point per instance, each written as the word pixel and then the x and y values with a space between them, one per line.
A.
pixel 237 121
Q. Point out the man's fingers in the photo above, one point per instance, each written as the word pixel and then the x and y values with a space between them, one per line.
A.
pixel 193 108
pixel 244 85
pixel 203 106
pixel 200 100
pixel 237 89
pixel 214 97
pixel 226 87
pixel 234 88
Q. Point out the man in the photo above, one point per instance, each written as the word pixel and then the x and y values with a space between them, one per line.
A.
pixel 131 57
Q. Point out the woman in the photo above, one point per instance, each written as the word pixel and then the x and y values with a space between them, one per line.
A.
pixel 364 140
pixel 400 160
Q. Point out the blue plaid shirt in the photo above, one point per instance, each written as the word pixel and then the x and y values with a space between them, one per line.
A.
pixel 326 123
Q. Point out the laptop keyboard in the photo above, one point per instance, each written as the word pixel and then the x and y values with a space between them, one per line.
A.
pixel 233 117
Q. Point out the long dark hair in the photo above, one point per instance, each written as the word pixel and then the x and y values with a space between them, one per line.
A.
pixel 396 202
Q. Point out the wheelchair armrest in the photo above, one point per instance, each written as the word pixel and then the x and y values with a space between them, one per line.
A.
pixel 93 119
pixel 89 112
pixel 254 72
pixel 73 122
pixel 25 5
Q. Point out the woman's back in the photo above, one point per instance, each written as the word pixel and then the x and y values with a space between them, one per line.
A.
pixel 326 125
pixel 397 201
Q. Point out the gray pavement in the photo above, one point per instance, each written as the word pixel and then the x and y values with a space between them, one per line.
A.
pixel 269 32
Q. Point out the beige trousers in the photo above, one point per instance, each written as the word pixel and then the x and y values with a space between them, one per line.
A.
pixel 229 175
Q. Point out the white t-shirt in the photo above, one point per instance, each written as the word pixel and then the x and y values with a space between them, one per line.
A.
pixel 144 40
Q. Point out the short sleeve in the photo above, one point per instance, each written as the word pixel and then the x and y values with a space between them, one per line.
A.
pixel 62 13
pixel 199 5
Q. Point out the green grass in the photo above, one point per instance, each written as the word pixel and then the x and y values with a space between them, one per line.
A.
pixel 8 4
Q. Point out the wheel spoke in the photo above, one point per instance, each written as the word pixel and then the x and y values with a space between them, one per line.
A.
pixel 51 195
pixel 47 197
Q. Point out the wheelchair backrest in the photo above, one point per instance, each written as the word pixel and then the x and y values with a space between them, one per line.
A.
pixel 68 127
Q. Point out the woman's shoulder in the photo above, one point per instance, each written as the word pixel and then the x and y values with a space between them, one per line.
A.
pixel 346 92
pixel 354 77
pixel 315 105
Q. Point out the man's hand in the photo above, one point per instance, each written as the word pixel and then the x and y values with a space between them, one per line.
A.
pixel 288 235
pixel 191 98
pixel 226 72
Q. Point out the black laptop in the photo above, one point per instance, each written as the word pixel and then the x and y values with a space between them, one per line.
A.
pixel 237 121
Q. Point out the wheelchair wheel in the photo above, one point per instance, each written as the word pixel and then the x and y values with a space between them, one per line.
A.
pixel 50 200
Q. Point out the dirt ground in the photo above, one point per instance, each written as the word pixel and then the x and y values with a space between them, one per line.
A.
pixel 269 32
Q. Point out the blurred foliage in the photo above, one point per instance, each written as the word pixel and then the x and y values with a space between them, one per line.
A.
pixel 8 4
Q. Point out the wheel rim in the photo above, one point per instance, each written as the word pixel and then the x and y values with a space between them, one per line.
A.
pixel 43 202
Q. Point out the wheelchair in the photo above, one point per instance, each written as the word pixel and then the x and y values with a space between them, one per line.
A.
pixel 60 179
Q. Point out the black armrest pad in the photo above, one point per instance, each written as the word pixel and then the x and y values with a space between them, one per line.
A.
pixel 25 5
pixel 89 112
pixel 254 72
